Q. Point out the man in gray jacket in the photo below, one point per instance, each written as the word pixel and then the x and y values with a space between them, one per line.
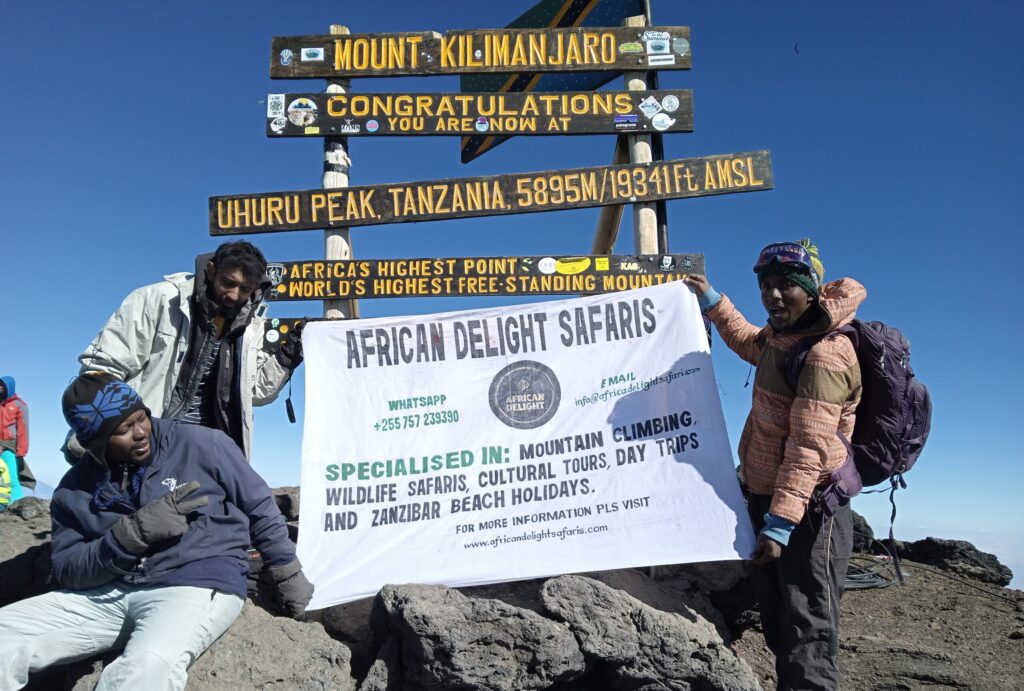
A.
pixel 192 344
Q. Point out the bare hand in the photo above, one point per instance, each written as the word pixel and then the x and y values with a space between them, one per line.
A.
pixel 698 283
pixel 766 551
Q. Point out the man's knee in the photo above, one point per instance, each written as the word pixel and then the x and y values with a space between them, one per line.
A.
pixel 15 659
pixel 144 669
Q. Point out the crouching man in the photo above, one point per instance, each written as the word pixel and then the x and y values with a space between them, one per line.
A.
pixel 150 532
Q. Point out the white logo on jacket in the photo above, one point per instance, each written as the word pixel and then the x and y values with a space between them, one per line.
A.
pixel 171 483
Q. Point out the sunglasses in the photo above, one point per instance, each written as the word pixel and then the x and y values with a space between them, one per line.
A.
pixel 786 253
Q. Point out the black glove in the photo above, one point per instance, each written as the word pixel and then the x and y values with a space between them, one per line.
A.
pixel 159 520
pixel 290 352
pixel 291 588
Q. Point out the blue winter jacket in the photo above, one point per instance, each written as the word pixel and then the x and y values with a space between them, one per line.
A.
pixel 212 553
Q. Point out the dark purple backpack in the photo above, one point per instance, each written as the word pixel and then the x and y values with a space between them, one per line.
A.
pixel 895 411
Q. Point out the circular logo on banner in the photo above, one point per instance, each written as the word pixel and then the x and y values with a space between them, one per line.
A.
pixel 525 394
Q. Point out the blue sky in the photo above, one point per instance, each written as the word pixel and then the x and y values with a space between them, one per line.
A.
pixel 893 127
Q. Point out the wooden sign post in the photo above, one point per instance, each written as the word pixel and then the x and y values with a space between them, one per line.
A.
pixel 495 195
pixel 457 114
pixel 480 51
pixel 474 276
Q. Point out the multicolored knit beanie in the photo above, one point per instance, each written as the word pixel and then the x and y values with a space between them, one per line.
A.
pixel 95 404
pixel 809 278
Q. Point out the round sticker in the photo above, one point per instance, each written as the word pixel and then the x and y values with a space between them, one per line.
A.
pixel 277 125
pixel 302 112
pixel 481 124
pixel 662 122
pixel 546 265
pixel 525 394
pixel 286 57
pixel 670 103
pixel 284 329
pixel 273 337
pixel 275 323
pixel 372 125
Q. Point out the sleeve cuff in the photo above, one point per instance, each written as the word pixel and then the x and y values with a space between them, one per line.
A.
pixel 708 299
pixel 777 528
pixel 120 560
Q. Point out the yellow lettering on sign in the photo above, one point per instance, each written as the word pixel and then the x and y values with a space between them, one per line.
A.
pixel 590 41
pixel 754 181
pixel 608 48
pixel 317 202
pixel 529 106
pixel 724 170
pixel 518 52
pixel 447 56
pixel 537 43
pixel 709 177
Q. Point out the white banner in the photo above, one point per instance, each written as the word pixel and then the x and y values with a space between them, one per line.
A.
pixel 509 443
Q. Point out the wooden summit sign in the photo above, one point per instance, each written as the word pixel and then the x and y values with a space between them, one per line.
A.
pixel 492 195
pixel 573 112
pixel 481 51
pixel 471 276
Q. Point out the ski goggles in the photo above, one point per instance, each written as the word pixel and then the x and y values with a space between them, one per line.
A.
pixel 788 253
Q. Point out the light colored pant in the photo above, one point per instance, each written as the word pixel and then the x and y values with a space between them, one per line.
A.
pixel 162 631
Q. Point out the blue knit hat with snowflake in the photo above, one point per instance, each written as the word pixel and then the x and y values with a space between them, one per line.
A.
pixel 95 404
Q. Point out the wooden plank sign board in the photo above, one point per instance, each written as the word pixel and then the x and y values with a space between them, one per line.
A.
pixel 614 49
pixel 493 195
pixel 472 276
pixel 383 114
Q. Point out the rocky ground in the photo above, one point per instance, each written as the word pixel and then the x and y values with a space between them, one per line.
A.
pixel 932 633
pixel 952 626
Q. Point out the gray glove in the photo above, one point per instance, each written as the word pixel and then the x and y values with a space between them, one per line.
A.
pixel 291 588
pixel 159 520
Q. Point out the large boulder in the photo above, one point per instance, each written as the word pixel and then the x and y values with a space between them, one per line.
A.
pixel 24 549
pixel 261 651
pixel 630 645
pixel 958 556
pixel 451 641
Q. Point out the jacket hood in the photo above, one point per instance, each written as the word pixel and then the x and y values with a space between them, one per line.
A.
pixel 836 306
pixel 9 383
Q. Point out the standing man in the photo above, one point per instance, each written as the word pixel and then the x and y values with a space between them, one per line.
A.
pixel 148 548
pixel 192 344
pixel 13 442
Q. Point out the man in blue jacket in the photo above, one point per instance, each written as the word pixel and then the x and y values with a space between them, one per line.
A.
pixel 149 546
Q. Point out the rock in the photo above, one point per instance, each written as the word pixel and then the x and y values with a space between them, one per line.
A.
pixel 958 556
pixel 452 641
pixel 287 499
pixel 863 535
pixel 24 549
pixel 664 596
pixel 633 646
pixel 1017 635
pixel 386 671
pixel 710 576
pixel 264 651
pixel 350 623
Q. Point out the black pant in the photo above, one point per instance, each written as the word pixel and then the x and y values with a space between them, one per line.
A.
pixel 799 594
